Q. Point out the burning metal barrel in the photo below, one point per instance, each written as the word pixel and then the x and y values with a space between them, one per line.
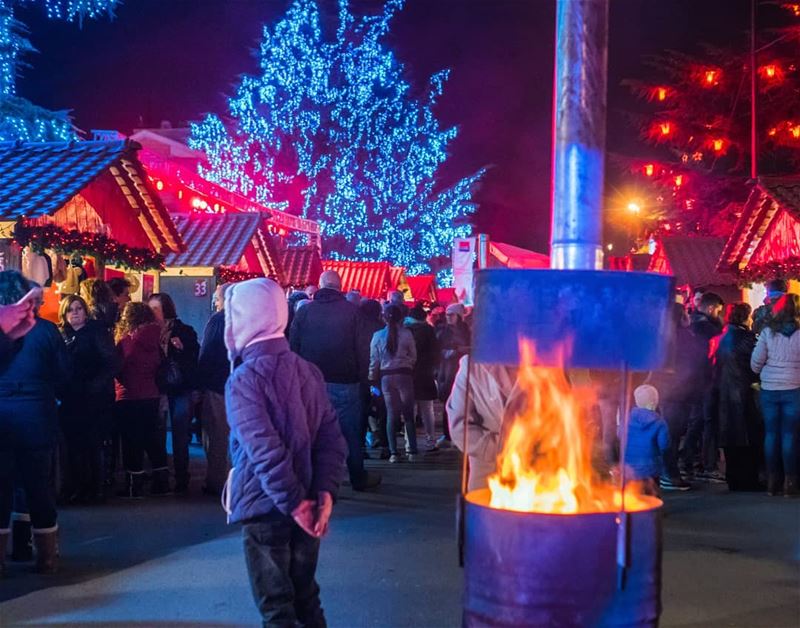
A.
pixel 534 569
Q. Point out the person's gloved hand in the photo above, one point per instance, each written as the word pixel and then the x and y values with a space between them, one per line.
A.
pixel 375 391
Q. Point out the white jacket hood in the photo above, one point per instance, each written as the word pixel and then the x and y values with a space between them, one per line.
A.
pixel 255 310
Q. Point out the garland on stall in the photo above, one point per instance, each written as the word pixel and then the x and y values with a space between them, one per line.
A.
pixel 788 268
pixel 226 274
pixel 52 237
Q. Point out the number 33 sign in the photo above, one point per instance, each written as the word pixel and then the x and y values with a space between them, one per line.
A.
pixel 201 288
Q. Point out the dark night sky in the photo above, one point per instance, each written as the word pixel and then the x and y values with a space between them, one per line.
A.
pixel 176 59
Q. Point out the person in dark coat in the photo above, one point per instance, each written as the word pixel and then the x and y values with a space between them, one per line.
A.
pixel 179 345
pixel 32 375
pixel 287 452
pixel 213 369
pixel 680 386
pixel 88 400
pixel 138 339
pixel 424 375
pixel 740 429
pixel 776 288
pixel 329 332
pixel 706 323
pixel 454 341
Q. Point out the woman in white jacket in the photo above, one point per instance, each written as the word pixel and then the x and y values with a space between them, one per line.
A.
pixel 777 359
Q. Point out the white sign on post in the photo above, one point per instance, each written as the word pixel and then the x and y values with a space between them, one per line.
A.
pixel 464 254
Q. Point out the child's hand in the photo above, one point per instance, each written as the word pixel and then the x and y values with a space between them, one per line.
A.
pixel 303 516
pixel 324 510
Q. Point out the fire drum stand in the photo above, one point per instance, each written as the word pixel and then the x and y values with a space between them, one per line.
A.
pixel 622 515
pixel 461 497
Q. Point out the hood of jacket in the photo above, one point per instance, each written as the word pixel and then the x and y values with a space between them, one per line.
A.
pixel 255 310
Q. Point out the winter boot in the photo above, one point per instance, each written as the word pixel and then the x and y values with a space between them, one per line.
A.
pixel 790 488
pixel 773 485
pixel 160 485
pixel 4 534
pixel 46 542
pixel 21 541
pixel 134 485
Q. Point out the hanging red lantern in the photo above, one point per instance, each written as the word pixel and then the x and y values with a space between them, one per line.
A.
pixel 795 131
pixel 666 128
pixel 793 7
pixel 649 169
pixel 678 180
pixel 718 144
pixel 711 77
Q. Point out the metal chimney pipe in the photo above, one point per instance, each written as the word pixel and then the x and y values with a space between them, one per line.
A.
pixel 579 133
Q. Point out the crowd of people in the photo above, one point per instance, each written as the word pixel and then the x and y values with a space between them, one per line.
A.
pixel 290 390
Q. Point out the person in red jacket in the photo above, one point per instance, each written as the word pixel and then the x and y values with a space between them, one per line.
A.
pixel 139 343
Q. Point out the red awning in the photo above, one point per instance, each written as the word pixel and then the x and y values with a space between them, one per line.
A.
pixel 422 287
pixel 515 257
pixel 302 266
pixel 372 279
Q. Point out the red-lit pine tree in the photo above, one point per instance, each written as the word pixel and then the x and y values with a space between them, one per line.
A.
pixel 697 113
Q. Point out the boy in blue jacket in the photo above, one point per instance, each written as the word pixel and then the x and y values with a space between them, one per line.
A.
pixel 648 438
pixel 287 454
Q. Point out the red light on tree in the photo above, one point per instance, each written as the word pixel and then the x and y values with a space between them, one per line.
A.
pixel 649 169
pixel 159 185
pixel 678 180
pixel 793 7
pixel 772 131
pixel 795 131
pixel 666 128
pixel 719 145
pixel 711 77
pixel 661 93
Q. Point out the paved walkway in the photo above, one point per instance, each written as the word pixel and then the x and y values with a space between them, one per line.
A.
pixel 390 560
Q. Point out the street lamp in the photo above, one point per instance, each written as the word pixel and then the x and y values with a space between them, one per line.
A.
pixel 634 207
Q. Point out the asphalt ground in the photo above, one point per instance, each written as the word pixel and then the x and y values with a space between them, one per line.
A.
pixel 389 560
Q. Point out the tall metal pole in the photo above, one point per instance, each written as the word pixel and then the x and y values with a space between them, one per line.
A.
pixel 753 93
pixel 579 133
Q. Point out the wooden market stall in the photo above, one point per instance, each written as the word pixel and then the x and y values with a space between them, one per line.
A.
pixel 219 248
pixel 765 243
pixel 373 279
pixel 73 210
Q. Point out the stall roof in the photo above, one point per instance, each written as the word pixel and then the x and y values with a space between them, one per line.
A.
pixel 512 256
pixel 213 239
pixel 372 279
pixel 38 178
pixel 692 260
pixel 422 287
pixel 767 231
pixel 302 265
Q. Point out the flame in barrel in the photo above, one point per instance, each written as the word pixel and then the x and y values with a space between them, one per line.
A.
pixel 545 464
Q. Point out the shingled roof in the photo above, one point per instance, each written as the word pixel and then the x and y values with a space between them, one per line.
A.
pixel 37 179
pixel 692 260
pixel 214 239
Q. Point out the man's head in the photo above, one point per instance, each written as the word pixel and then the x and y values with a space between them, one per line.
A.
pixel 331 280
pixel 395 297
pixel 354 296
pixel 711 304
pixel 219 297
pixel 121 288
pixel 697 295
pixel 776 288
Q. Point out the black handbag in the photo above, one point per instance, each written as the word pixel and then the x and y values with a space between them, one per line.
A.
pixel 169 377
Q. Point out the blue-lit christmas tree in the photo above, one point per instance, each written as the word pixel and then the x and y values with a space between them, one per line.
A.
pixel 19 118
pixel 330 129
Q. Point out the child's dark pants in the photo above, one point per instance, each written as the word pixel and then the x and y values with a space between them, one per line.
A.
pixel 281 562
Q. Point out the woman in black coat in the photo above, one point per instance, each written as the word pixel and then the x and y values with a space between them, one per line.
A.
pixel 424 374
pixel 180 346
pixel 740 426
pixel 454 341
pixel 88 400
